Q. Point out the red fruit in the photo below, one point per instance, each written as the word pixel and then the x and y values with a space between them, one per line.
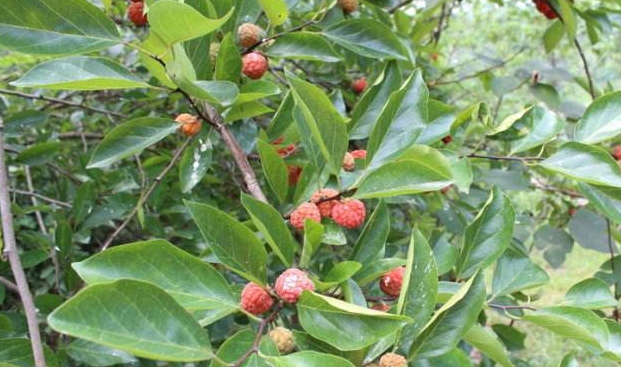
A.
pixel 348 162
pixel 349 213
pixel 616 152
pixel 294 174
pixel 391 282
pixel 360 153
pixel 544 7
pixel 290 284
pixel 135 13
pixel 348 6
pixel 190 124
pixel 278 140
pixel 286 151
pixel 359 85
pixel 447 139
pixel 381 307
pixel 254 65
pixel 303 212
pixel 325 207
pixel 255 299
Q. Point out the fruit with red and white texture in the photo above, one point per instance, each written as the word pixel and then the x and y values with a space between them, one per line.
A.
pixel 293 173
pixel 255 299
pixel 249 34
pixel 544 7
pixel 291 283
pixel 349 213
pixel 359 85
pixel 393 360
pixel 135 13
pixel 359 153
pixel 447 139
pixel 616 152
pixel 302 213
pixel 254 65
pixel 348 162
pixel 190 125
pixel 283 338
pixel 325 206
pixel 348 6
pixel 391 282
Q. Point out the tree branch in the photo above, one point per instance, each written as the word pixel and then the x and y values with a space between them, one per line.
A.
pixel 39 196
pixel 586 68
pixel 277 35
pixel 257 339
pixel 9 285
pixel 10 249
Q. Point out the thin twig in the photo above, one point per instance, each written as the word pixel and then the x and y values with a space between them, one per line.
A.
pixel 39 196
pixel 400 5
pixel 9 285
pixel 60 101
pixel 504 158
pixel 277 35
pixel 505 308
pixel 257 339
pixel 10 250
pixel 145 194
pixel 585 64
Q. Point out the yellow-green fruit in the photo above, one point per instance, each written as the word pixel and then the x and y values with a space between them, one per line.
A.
pixel 214 49
pixel 348 6
pixel 393 360
pixel 249 34
pixel 283 338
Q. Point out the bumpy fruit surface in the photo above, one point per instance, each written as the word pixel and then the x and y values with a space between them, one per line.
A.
pixel 255 299
pixel 616 152
pixel 214 50
pixel 359 85
pixel 249 34
pixel 348 6
pixel 391 282
pixel 359 153
pixel 302 213
pixel 393 360
pixel 325 207
pixel 190 124
pixel 348 162
pixel 254 65
pixel 294 173
pixel 283 338
pixel 349 213
pixel 135 13
pixel 447 139
pixel 290 284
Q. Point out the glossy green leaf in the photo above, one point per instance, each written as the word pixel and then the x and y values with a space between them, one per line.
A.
pixel 304 46
pixel 176 22
pixel 606 200
pixel 194 284
pixel 218 91
pixel 344 325
pixel 269 221
pixel 275 10
pixel 591 293
pixel 589 230
pixel 488 236
pixel 131 138
pixel 488 343
pixel 235 346
pixel 135 317
pixel 569 18
pixel 308 359
pixel 375 269
pixel 274 169
pixel 543 125
pixel 246 110
pixel 370 245
pixel 40 153
pixel 313 234
pixel 515 272
pixel 195 161
pixel 340 273
pixel 228 61
pixel 74 27
pixel 233 243
pixel 94 354
pixel 17 352
pixel 420 287
pixel 553 35
pixel 256 90
pixel 454 358
pixel 601 120
pixel 366 37
pixel 555 243
pixel 79 73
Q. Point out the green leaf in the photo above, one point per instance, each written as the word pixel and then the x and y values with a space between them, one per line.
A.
pixel 304 46
pixel 321 126
pixel 401 121
pixel 130 138
pixel 553 35
pixel 340 273
pixel 275 10
pixel 308 358
pixel 543 125
pixel 79 73
pixel 73 27
pixel 194 284
pixel 591 293
pixel 257 89
pixel 17 352
pixel 375 269
pixel 555 243
pixel 269 221
pixel 274 169
pixel 572 323
pixel 454 358
pixel 194 163
pixel 39 153
pixel 569 18
pixel 420 169
pixel 488 343
pixel 218 91
pixel 136 317
pixel 93 354
pixel 601 120
pixel 366 37
pixel 343 325
pixel 233 243
pixel 228 61
pixel 547 94
pixel 313 234
pixel 589 229
pixel 515 272
pixel 569 361
pixel 488 236
pixel 175 22
pixel 420 288
pixel 452 321
pixel 606 200
pixel 235 346
pixel 246 110
pixel 371 243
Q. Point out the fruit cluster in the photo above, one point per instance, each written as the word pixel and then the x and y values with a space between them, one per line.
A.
pixel 327 203
pixel 288 287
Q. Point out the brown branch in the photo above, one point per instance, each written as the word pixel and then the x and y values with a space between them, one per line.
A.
pixel 257 339
pixel 39 196
pixel 9 285
pixel 60 101
pixel 10 250
pixel 586 68
pixel 505 308
pixel 277 35
pixel 146 194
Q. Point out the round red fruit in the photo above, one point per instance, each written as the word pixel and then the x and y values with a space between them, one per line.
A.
pixel 291 283
pixel 135 13
pixel 349 213
pixel 254 65
pixel 325 206
pixel 302 213
pixel 359 85
pixel 255 299
pixel 391 282
pixel 359 153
